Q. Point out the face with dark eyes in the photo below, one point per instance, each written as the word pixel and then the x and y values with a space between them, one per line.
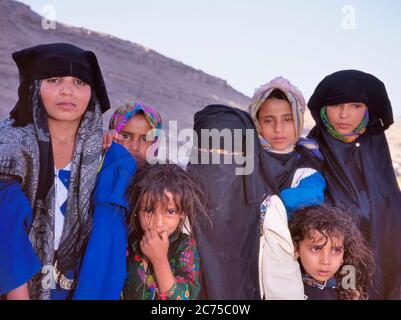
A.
pixel 320 257
pixel 65 98
pixel 277 124
pixel 161 217
pixel 134 137
pixel 346 117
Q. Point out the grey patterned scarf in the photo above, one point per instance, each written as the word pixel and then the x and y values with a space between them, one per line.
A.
pixel 26 154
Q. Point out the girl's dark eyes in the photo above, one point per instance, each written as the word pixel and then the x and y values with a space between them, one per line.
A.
pixel 53 80
pixel 80 82
pixel 148 210
pixel 126 136
pixel 337 249
pixel 288 119
pixel 171 211
pixel 315 249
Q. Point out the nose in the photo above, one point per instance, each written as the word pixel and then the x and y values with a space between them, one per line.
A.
pixel 278 127
pixel 134 144
pixel 157 220
pixel 66 88
pixel 343 112
pixel 324 258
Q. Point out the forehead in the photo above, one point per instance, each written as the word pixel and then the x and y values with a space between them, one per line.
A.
pixel 274 107
pixel 351 104
pixel 157 197
pixel 317 238
pixel 137 124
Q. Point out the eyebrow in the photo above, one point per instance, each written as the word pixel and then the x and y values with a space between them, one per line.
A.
pixel 315 245
pixel 271 116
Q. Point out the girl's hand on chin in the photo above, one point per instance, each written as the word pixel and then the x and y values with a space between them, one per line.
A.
pixel 154 245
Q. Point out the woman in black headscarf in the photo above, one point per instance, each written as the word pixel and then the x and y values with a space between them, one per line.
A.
pixel 352 110
pixel 247 244
pixel 50 151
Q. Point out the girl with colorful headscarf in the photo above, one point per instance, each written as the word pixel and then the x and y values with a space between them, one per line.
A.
pixel 104 268
pixel 138 129
pixel 277 108
pixel 352 110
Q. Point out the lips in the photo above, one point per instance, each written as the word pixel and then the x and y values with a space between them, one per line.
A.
pixel 280 139
pixel 66 105
pixel 343 125
pixel 323 273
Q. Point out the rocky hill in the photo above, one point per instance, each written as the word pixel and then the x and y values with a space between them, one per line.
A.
pixel 131 71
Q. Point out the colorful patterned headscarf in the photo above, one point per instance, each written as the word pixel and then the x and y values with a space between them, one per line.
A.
pixel 122 115
pixel 297 104
pixel 345 137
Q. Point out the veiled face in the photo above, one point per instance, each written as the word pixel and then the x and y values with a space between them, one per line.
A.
pixel 346 117
pixel 65 98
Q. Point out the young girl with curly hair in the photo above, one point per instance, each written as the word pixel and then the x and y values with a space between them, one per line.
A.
pixel 335 260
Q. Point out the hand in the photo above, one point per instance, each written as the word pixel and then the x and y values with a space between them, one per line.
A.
pixel 154 245
pixel 20 293
pixel 109 136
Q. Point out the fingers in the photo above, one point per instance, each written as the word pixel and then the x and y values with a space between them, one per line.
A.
pixel 164 236
pixel 154 234
pixel 147 237
pixel 118 137
pixel 109 137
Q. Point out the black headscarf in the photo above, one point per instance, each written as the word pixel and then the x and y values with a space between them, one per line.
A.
pixel 354 86
pixel 360 176
pixel 55 60
pixel 229 247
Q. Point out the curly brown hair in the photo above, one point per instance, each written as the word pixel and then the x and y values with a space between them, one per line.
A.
pixel 152 181
pixel 333 222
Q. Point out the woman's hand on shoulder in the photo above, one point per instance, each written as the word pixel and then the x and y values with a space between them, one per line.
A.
pixel 110 136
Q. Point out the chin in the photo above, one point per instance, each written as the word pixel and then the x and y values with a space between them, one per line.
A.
pixel 343 132
pixel 322 279
pixel 279 148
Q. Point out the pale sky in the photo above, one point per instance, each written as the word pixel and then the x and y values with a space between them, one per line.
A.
pixel 249 42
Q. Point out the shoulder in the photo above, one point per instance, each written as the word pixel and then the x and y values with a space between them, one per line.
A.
pixel 19 152
pixel 12 196
pixel 186 239
pixel 8 133
pixel 311 145
pixel 307 176
pixel 185 244
pixel 308 154
pixel 14 140
pixel 118 156
pixel 117 170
